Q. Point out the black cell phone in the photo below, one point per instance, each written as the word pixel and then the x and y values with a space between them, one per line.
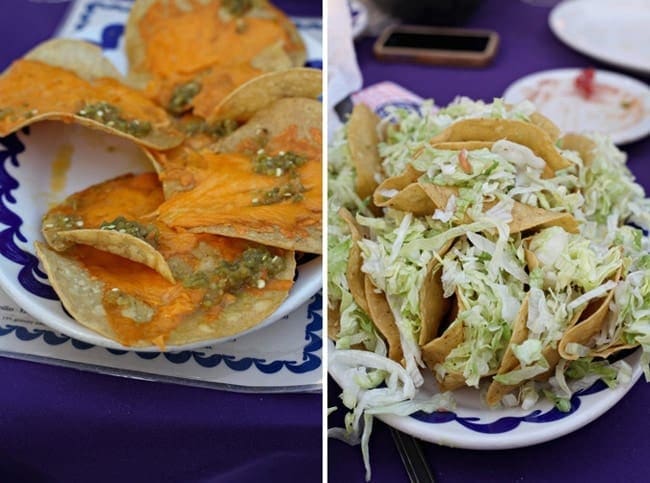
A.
pixel 437 45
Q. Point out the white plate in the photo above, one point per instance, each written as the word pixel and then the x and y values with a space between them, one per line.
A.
pixel 28 187
pixel 472 425
pixel 613 31
pixel 619 107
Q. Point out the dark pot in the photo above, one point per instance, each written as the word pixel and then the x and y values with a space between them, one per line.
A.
pixel 430 12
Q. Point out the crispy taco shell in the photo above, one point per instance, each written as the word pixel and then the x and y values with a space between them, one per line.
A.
pixel 589 324
pixel 434 307
pixel 354 275
pixel 382 316
pixel 520 132
pixel 436 351
pixel 581 144
pixel 362 142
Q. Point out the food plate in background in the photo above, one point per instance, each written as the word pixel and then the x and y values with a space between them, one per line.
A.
pixel 40 167
pixel 615 32
pixel 617 105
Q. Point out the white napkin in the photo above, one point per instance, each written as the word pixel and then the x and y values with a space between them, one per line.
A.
pixel 344 76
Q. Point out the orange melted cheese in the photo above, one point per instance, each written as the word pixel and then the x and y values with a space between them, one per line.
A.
pixel 217 83
pixel 182 45
pixel 170 302
pixel 223 195
pixel 134 196
pixel 129 196
pixel 185 41
pixel 31 88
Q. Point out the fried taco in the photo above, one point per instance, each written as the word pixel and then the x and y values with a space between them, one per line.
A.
pixel 489 281
pixel 405 291
pixel 519 132
pixel 70 80
pixel 362 141
pixel 571 285
pixel 459 183
pixel 348 324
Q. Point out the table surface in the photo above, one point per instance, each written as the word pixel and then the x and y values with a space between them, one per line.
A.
pixel 59 424
pixel 615 446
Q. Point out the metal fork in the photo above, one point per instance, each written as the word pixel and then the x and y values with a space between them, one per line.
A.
pixel 412 457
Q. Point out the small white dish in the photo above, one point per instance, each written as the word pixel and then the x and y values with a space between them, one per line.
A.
pixel 615 32
pixel 618 107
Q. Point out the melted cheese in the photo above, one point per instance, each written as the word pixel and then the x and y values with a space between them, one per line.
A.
pixel 31 88
pixel 224 195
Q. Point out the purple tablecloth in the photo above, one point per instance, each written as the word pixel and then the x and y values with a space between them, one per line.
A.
pixel 613 448
pixel 65 425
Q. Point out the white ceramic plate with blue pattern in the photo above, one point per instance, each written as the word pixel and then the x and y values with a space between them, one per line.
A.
pixel 40 167
pixel 43 164
pixel 473 425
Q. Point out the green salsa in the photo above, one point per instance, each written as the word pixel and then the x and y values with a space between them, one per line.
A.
pixel 237 8
pixel 281 164
pixel 148 233
pixel 130 306
pixel 220 277
pixel 291 191
pixel 60 221
pixel 5 112
pixel 277 165
pixel 217 129
pixel 182 96
pixel 111 116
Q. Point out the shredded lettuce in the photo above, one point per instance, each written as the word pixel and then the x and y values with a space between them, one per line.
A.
pixel 490 304
pixel 396 259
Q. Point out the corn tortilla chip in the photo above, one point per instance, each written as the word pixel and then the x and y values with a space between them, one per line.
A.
pixel 262 91
pixel 255 206
pixel 135 306
pixel 87 91
pixel 214 45
pixel 92 217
